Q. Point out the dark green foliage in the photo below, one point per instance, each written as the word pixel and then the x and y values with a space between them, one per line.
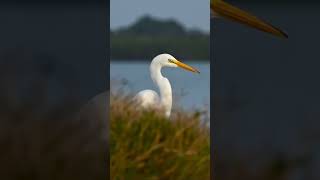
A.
pixel 149 36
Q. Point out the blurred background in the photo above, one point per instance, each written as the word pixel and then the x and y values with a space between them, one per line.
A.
pixel 266 94
pixel 149 28
pixel 52 61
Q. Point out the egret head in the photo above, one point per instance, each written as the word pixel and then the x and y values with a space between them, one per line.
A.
pixel 167 60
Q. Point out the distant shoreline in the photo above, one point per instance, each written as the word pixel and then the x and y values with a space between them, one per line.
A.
pixel 148 37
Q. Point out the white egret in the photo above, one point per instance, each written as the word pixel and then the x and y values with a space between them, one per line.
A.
pixel 218 8
pixel 222 9
pixel 149 98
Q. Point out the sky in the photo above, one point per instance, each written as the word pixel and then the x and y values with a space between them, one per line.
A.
pixel 191 13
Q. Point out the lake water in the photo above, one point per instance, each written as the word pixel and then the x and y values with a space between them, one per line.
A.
pixel 190 90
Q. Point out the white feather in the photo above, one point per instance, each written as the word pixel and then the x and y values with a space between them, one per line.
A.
pixel 151 99
pixel 147 98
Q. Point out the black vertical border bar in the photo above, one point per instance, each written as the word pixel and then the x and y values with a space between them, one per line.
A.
pixel 107 26
pixel 213 67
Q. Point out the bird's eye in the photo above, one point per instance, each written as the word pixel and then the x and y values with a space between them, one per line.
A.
pixel 170 60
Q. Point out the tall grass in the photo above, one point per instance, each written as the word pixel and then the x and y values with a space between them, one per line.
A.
pixel 146 145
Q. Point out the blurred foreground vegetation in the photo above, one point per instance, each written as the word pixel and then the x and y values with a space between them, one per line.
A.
pixel 146 145
pixel 42 134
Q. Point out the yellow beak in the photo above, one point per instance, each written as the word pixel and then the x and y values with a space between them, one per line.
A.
pixel 225 10
pixel 184 66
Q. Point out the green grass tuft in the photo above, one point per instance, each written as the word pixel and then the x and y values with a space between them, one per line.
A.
pixel 146 145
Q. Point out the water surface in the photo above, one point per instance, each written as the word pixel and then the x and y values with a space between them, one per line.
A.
pixel 190 90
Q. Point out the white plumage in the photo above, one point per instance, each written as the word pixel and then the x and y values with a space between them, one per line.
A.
pixel 149 98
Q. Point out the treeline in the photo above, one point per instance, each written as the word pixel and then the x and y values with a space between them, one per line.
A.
pixel 148 37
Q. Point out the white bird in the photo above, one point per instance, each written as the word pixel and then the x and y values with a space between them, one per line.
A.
pixel 149 98
pixel 218 8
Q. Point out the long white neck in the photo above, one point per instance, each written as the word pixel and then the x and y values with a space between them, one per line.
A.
pixel 164 87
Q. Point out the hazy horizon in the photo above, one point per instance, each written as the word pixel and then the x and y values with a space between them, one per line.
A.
pixel 161 19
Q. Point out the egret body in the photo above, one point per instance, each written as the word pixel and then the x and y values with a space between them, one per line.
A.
pixel 149 98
